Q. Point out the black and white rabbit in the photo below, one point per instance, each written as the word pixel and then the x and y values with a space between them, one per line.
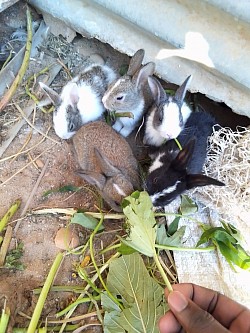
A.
pixel 171 175
pixel 80 100
pixel 168 115
pixel 130 93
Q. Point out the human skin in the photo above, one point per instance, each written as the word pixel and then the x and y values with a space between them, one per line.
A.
pixel 195 309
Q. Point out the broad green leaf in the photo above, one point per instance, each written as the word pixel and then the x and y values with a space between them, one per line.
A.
pixel 175 240
pixel 63 189
pixel 125 249
pixel 142 298
pixel 138 210
pixel 174 226
pixel 188 206
pixel 232 230
pixel 86 221
pixel 229 246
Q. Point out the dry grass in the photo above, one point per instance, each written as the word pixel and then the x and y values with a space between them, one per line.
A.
pixel 229 161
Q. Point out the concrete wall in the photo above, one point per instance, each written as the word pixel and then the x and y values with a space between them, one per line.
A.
pixel 209 39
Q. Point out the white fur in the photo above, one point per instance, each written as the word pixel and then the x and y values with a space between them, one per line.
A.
pixel 90 107
pixel 125 125
pixel 170 127
pixel 119 190
pixel 156 164
pixel 109 92
pixel 152 136
pixel 157 195
pixel 89 104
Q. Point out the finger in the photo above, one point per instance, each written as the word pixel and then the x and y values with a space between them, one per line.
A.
pixel 191 317
pixel 169 324
pixel 221 307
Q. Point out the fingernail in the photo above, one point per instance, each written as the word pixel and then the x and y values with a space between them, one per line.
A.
pixel 177 301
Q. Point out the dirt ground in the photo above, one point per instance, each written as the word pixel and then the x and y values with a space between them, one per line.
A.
pixel 19 174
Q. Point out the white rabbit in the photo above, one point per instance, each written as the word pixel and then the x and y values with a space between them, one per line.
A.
pixel 106 161
pixel 80 100
pixel 168 115
pixel 130 93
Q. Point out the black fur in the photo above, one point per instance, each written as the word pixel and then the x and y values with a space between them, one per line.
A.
pixel 181 170
pixel 198 126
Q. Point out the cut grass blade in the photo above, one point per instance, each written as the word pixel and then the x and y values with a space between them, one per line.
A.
pixel 11 211
pixel 41 300
pixel 4 320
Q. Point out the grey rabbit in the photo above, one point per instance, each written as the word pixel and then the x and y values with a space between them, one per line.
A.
pixel 168 114
pixel 106 161
pixel 130 93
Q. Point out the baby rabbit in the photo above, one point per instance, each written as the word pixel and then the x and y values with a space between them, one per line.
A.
pixel 169 177
pixel 130 93
pixel 80 100
pixel 106 161
pixel 168 115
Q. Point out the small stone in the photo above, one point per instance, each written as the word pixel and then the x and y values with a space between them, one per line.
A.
pixel 66 239
pixel 39 163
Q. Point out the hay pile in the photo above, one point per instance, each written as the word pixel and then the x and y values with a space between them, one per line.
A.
pixel 229 161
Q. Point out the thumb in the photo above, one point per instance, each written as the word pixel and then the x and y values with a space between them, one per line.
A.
pixel 191 317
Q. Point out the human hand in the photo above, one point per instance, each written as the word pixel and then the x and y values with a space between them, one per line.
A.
pixel 195 309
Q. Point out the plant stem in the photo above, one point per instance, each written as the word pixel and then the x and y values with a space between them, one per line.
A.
pixel 189 249
pixel 178 144
pixel 95 277
pixel 11 211
pixel 5 245
pixel 77 302
pixel 116 246
pixel 91 249
pixel 163 274
pixel 4 320
pixel 41 300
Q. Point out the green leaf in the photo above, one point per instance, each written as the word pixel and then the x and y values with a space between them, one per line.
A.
pixel 170 92
pixel 86 221
pixel 187 206
pixel 12 259
pixel 125 249
pixel 229 246
pixel 123 69
pixel 175 240
pixel 138 210
pixel 63 189
pixel 174 226
pixel 142 298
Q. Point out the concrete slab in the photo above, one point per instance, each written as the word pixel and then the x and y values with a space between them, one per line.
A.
pixel 182 38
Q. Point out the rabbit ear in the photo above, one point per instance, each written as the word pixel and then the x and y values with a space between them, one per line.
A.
pixel 107 168
pixel 157 90
pixel 53 96
pixel 201 180
pixel 73 93
pixel 181 91
pixel 141 77
pixel 92 178
pixel 183 157
pixel 135 62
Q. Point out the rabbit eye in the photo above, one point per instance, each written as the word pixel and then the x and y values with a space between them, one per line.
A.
pixel 72 127
pixel 119 98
